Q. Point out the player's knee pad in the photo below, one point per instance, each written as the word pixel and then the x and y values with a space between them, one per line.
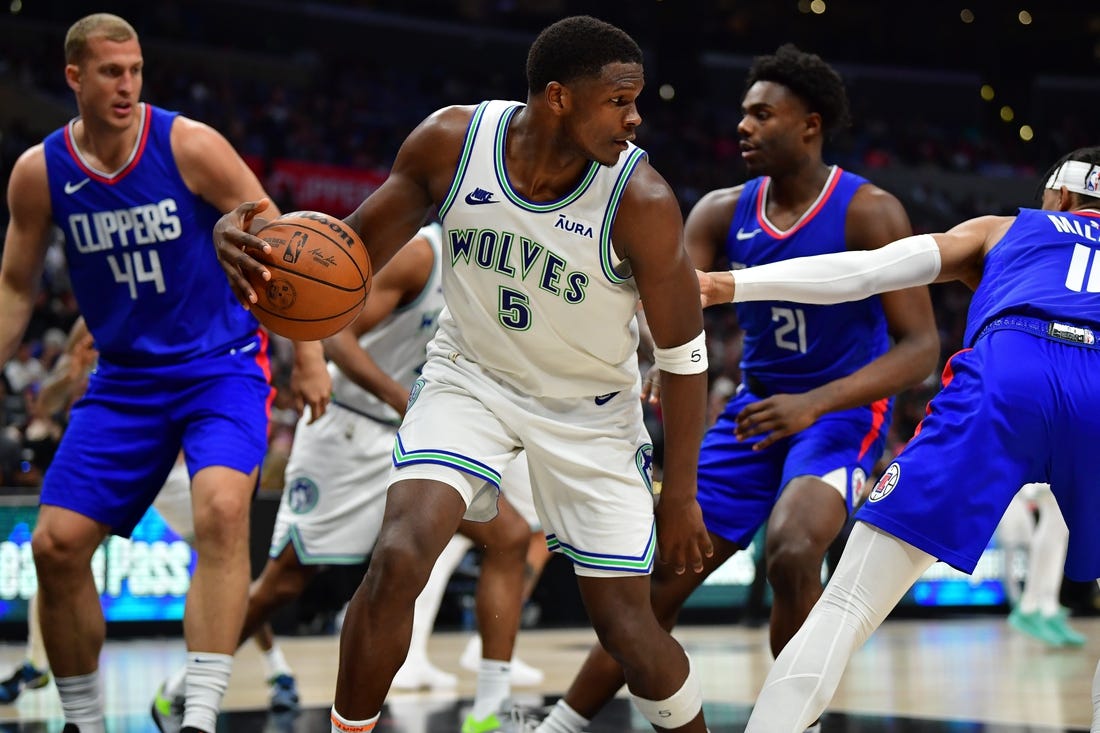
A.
pixel 678 710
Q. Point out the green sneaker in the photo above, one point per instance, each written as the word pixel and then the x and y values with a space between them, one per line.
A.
pixel 512 721
pixel 167 712
pixel 488 724
pixel 1059 626
pixel 1035 626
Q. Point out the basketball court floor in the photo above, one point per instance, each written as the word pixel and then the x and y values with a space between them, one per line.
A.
pixel 966 674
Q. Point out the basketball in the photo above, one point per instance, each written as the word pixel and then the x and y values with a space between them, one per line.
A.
pixel 320 276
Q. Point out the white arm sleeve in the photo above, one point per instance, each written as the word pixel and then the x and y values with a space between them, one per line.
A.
pixel 842 276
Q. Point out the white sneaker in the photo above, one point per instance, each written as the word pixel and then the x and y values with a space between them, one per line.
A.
pixel 422 674
pixel 523 674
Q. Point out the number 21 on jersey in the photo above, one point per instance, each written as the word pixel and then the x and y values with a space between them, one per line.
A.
pixel 790 334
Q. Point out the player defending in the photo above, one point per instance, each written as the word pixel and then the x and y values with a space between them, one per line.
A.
pixel 1023 393
pixel 796 441
pixel 136 191
pixel 554 224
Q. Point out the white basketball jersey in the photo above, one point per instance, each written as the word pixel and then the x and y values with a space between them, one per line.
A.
pixel 397 344
pixel 534 290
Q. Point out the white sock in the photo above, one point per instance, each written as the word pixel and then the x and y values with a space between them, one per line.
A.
pixel 36 649
pixel 275 663
pixel 82 701
pixel 429 600
pixel 207 677
pixel 340 724
pixel 1048 557
pixel 494 685
pixel 562 719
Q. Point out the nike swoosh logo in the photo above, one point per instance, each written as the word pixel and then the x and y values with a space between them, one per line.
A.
pixel 605 398
pixel 71 187
pixel 742 234
pixel 472 200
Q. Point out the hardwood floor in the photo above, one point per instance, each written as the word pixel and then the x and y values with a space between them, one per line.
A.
pixel 912 675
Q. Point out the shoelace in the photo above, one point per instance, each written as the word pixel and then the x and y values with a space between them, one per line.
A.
pixel 522 721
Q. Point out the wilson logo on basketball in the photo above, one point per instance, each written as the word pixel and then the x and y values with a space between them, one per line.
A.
pixel 886 484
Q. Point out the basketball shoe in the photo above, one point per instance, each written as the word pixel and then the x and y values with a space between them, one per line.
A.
pixel 167 711
pixel 523 674
pixel 25 675
pixel 420 674
pixel 514 720
pixel 284 694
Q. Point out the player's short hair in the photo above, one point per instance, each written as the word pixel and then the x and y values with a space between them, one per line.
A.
pixel 812 80
pixel 575 48
pixel 96 25
pixel 1090 155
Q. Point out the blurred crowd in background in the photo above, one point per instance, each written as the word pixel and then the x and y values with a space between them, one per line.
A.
pixel 341 84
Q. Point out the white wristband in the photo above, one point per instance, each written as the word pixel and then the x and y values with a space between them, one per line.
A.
pixel 689 358
pixel 842 276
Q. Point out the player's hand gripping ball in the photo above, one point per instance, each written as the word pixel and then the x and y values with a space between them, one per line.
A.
pixel 320 276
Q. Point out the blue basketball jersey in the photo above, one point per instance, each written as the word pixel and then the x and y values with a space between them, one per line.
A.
pixel 1046 266
pixel 139 251
pixel 792 347
pixel 1017 406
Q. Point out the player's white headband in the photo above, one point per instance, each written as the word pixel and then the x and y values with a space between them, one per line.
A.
pixel 1077 176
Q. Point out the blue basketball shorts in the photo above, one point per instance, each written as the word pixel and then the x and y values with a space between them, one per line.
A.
pixel 125 434
pixel 738 487
pixel 1017 408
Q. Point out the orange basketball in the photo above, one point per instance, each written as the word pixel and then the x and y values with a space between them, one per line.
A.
pixel 320 276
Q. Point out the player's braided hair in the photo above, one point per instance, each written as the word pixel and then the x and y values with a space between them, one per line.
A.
pixel 812 80
pixel 1085 155
pixel 577 47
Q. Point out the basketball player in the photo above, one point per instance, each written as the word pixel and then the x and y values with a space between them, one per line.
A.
pixel 335 492
pixel 818 378
pixel 1037 612
pixel 66 383
pixel 554 224
pixel 1022 395
pixel 136 191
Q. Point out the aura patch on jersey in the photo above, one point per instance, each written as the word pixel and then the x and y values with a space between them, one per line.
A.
pixel 886 483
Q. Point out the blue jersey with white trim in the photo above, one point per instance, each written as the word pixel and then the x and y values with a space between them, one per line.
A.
pixel 139 251
pixel 793 347
pixel 1046 266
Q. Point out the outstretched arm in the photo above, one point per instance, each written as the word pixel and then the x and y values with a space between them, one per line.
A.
pixel 843 276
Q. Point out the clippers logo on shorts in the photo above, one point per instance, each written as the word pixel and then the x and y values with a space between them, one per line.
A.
pixel 302 495
pixel 886 484
pixel 859 478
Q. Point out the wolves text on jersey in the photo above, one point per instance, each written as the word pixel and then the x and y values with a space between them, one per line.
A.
pixel 517 257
